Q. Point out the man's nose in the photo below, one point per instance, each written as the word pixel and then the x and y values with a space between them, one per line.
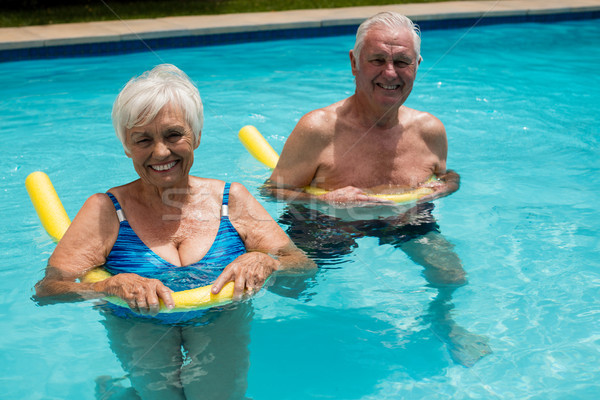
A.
pixel 389 69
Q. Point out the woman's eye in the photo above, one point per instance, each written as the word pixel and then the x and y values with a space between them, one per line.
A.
pixel 174 136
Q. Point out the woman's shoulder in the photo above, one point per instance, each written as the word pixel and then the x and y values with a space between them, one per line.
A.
pixel 205 185
pixel 216 188
pixel 98 201
pixel 121 192
pixel 97 207
pixel 212 183
pixel 238 189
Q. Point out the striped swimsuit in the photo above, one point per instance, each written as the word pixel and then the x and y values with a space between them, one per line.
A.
pixel 130 255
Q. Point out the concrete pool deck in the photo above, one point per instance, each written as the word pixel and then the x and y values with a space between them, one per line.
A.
pixel 38 41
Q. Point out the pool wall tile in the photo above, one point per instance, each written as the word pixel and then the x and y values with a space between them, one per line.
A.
pixel 120 37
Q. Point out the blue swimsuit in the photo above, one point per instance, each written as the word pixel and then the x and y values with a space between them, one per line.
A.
pixel 130 255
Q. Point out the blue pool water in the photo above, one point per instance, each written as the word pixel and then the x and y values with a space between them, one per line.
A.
pixel 520 104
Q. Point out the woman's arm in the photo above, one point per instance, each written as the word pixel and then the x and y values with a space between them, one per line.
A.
pixel 268 247
pixel 85 245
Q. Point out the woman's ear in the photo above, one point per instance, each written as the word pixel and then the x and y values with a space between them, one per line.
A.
pixel 197 140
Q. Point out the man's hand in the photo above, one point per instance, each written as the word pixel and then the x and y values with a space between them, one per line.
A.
pixel 349 195
pixel 445 185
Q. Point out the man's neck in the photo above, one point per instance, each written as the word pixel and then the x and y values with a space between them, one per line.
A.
pixel 371 115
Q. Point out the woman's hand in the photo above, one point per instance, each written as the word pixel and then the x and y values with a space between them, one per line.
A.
pixel 249 272
pixel 143 295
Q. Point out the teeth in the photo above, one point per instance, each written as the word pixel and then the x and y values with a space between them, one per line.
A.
pixel 163 167
pixel 393 87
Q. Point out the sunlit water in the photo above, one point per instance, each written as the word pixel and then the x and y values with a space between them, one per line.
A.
pixel 520 104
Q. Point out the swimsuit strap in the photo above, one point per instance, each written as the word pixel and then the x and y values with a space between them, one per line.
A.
pixel 120 213
pixel 225 205
pixel 226 193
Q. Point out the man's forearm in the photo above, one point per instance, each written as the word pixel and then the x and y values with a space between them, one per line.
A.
pixel 286 193
pixel 451 180
pixel 446 184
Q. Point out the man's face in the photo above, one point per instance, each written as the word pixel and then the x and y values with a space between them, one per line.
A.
pixel 387 67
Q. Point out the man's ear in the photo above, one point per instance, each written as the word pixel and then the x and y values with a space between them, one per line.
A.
pixel 197 140
pixel 353 63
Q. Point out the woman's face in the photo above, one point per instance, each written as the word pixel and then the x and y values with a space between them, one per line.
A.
pixel 163 150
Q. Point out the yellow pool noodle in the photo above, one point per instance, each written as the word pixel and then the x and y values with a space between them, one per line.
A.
pixel 55 221
pixel 49 209
pixel 258 147
pixel 186 300
pixel 400 198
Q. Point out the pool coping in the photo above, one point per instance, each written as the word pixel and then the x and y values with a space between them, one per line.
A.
pixel 126 36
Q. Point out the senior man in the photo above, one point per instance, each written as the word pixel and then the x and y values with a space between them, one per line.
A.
pixel 371 143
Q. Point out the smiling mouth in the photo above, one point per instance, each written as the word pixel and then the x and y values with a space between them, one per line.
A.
pixel 388 87
pixel 163 167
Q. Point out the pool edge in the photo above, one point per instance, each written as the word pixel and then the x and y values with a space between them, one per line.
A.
pixel 130 36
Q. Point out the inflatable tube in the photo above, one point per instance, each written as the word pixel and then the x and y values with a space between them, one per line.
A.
pixel 186 300
pixel 260 149
pixel 55 221
pixel 49 209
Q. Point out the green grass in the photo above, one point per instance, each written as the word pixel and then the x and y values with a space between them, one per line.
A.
pixel 40 12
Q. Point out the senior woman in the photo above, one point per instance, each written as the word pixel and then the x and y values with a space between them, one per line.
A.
pixel 170 231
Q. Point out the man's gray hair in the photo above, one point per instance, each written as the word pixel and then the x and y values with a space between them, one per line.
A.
pixel 387 20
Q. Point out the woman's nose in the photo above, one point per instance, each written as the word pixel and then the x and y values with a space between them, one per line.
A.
pixel 161 150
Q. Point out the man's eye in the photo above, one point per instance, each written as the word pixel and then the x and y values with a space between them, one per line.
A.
pixel 378 61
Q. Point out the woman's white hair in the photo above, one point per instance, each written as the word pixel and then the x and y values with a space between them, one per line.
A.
pixel 387 20
pixel 144 96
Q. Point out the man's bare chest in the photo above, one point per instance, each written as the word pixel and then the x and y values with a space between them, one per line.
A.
pixel 369 163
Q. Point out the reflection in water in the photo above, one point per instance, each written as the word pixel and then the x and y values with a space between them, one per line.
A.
pixel 209 360
pixel 327 239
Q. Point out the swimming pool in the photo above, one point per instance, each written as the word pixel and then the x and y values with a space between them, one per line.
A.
pixel 520 108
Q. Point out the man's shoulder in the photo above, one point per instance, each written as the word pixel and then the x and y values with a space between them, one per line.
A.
pixel 423 122
pixel 324 115
pixel 318 123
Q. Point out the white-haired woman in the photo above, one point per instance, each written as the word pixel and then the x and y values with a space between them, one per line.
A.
pixel 170 231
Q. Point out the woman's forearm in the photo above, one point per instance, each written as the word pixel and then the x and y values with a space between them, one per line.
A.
pixel 57 287
pixel 293 259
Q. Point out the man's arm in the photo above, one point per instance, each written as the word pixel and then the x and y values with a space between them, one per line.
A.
pixel 299 160
pixel 434 134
